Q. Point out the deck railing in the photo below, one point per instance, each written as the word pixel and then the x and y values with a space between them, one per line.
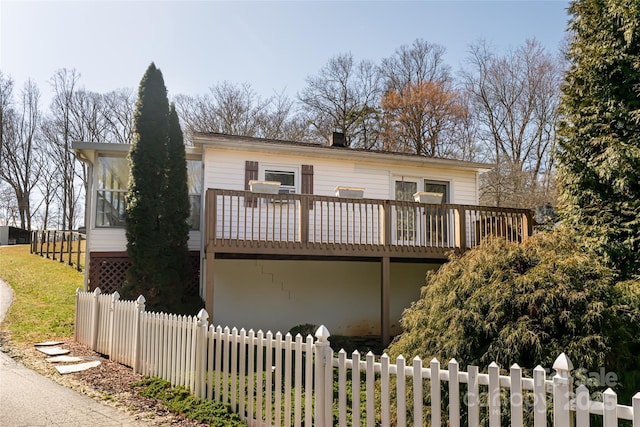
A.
pixel 242 218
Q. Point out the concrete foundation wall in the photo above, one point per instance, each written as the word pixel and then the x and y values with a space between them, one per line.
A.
pixel 342 295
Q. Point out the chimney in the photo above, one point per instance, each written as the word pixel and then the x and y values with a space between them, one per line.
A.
pixel 337 140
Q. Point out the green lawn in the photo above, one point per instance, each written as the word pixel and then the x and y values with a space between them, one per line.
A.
pixel 44 295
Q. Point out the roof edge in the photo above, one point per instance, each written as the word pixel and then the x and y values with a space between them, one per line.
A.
pixel 202 139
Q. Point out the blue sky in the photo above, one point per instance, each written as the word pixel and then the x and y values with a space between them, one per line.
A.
pixel 272 45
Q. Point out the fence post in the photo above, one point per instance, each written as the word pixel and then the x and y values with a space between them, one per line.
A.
pixel 79 250
pixel 69 248
pixel 635 402
pixel 561 392
pixel 323 370
pixel 527 225
pixel 201 353
pixel 42 242
pixel 95 307
pixel 63 237
pixel 49 242
pixel 137 339
pixel 112 322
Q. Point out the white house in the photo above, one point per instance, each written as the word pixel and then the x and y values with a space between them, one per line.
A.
pixel 288 233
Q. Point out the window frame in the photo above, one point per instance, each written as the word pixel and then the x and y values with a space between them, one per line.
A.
pixel 420 185
pixel 447 188
pixel 275 167
pixel 121 192
pixel 192 194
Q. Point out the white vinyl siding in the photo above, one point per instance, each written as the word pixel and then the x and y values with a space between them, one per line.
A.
pixel 115 240
pixel 224 169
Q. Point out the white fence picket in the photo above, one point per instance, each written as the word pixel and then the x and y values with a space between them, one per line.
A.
pixel 242 377
pixel 250 372
pixel 268 362
pixel 417 390
pixel 234 367
pixel 251 389
pixel 401 412
pixel 384 391
pixel 494 395
pixel 539 397
pixel 454 394
pixel 277 377
pixel 259 377
pixel 473 396
pixel 288 365
pixel 370 390
pixel 610 407
pixel 436 403
pixel 308 369
pixel 582 406
pixel 342 388
pixel 355 385
pixel 297 393
pixel 517 396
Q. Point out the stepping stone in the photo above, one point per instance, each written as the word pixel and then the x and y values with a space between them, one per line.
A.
pixel 48 343
pixel 53 351
pixel 67 369
pixel 63 359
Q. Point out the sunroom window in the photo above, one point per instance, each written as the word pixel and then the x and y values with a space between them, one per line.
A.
pixel 194 176
pixel 112 183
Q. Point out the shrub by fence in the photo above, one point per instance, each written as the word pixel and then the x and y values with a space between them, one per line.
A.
pixel 283 380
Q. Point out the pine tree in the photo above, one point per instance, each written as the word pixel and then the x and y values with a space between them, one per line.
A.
pixel 176 208
pixel 147 160
pixel 599 145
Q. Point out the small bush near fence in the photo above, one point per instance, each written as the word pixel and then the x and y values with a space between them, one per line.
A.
pixel 180 399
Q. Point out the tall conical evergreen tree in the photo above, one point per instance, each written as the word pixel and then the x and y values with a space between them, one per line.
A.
pixel 147 160
pixel 599 145
pixel 175 200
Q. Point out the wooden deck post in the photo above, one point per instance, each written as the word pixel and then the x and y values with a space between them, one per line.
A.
pixel 385 288
pixel 527 225
pixel 386 218
pixel 211 218
pixel 209 281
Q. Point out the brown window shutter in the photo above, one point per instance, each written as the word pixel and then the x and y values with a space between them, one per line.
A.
pixel 307 181
pixel 250 173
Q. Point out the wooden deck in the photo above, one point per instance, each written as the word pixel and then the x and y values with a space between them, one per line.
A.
pixel 241 223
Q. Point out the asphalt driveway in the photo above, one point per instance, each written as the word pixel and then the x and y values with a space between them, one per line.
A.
pixel 29 399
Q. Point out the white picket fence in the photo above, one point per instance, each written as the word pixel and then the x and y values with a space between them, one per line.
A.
pixel 276 380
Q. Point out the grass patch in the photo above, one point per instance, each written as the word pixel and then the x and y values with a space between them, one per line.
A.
pixel 44 295
pixel 179 399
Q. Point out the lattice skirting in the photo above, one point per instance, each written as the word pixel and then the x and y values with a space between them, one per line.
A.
pixel 108 271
